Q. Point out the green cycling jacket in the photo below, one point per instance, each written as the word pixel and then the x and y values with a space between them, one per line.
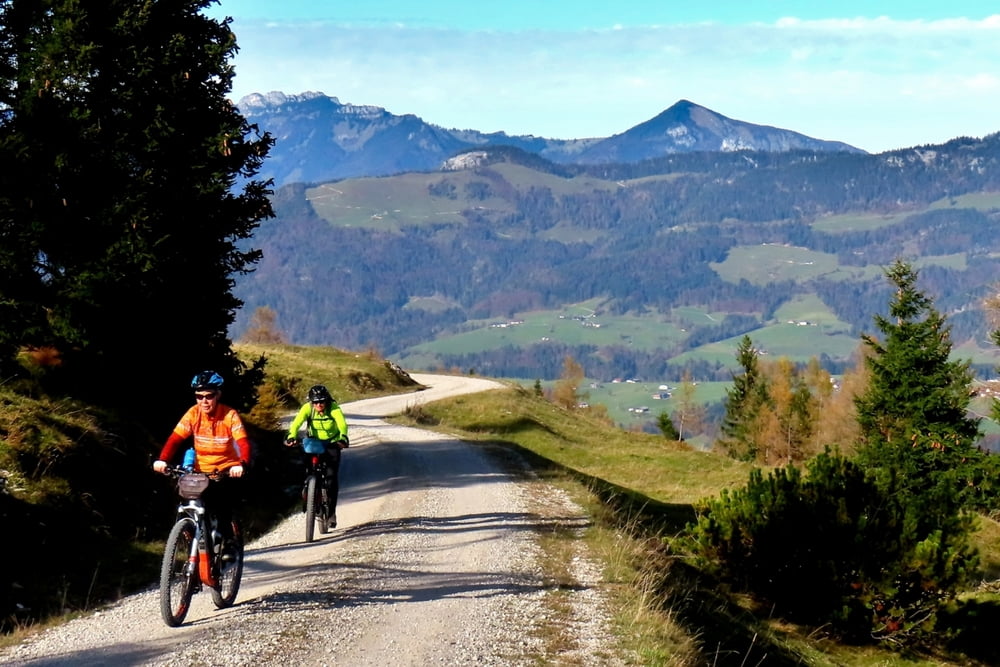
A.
pixel 327 425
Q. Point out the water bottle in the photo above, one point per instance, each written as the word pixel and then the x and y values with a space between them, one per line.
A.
pixel 188 459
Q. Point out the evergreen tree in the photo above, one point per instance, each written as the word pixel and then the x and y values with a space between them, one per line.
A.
pixel 130 175
pixel 913 414
pixel 743 403
pixel 913 386
pixel 667 427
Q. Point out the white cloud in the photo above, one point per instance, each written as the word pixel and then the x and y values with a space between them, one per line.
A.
pixel 875 83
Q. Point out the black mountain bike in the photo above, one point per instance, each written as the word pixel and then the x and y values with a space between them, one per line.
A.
pixel 195 554
pixel 315 500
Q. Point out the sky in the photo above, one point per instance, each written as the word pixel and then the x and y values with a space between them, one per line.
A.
pixel 876 75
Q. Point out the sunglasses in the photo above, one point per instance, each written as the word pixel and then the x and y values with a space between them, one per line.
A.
pixel 204 397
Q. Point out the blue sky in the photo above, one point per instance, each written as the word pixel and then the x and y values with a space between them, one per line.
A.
pixel 877 75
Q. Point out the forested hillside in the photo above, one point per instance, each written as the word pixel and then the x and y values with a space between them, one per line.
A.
pixel 705 246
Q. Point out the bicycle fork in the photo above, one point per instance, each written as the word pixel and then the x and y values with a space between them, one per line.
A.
pixel 200 556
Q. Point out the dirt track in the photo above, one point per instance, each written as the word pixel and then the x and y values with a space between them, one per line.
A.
pixel 434 562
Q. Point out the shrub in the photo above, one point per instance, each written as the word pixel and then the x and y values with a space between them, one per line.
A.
pixel 834 547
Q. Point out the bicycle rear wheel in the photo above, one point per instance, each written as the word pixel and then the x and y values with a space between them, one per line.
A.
pixel 310 506
pixel 177 574
pixel 230 572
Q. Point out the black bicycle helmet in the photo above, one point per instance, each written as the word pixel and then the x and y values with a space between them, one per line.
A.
pixel 319 393
pixel 207 381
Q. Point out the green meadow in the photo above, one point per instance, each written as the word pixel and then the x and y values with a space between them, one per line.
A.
pixel 392 202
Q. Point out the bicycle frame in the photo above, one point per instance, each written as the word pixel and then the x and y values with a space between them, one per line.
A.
pixel 204 543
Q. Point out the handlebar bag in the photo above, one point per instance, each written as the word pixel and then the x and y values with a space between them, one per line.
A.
pixel 191 485
pixel 313 446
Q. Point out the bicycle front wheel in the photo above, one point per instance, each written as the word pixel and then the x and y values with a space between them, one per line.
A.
pixel 310 506
pixel 178 573
pixel 230 571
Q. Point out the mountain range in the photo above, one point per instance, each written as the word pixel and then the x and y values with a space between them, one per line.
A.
pixel 319 139
pixel 502 259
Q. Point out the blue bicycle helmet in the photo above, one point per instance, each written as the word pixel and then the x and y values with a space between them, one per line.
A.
pixel 207 381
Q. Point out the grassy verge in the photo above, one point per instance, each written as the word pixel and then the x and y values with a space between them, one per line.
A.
pixel 639 490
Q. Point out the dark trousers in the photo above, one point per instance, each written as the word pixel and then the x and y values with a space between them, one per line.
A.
pixel 331 459
pixel 221 498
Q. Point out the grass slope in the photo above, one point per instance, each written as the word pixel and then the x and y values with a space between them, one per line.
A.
pixel 641 490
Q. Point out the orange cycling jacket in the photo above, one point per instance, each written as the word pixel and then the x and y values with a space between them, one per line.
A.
pixel 220 439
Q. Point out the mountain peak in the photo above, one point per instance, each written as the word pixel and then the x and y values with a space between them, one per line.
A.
pixel 276 98
pixel 318 138
pixel 686 127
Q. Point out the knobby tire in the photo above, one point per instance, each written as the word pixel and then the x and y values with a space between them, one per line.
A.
pixel 310 501
pixel 230 573
pixel 177 579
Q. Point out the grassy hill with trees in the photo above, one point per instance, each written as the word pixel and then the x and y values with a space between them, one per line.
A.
pixel 675 259
pixel 129 210
pixel 881 551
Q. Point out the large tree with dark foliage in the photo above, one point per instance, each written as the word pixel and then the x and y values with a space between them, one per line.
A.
pixel 127 188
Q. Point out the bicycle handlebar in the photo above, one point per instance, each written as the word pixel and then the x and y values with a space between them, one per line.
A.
pixel 177 471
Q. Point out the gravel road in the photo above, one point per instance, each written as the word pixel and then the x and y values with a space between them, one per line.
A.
pixel 434 561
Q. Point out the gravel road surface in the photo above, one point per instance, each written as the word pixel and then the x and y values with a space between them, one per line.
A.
pixel 434 562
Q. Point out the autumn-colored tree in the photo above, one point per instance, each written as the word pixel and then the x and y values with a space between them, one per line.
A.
pixel 263 328
pixel 567 387
pixel 836 417
pixel 689 415
pixel 786 420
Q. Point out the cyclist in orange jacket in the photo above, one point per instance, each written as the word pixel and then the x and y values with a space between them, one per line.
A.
pixel 220 444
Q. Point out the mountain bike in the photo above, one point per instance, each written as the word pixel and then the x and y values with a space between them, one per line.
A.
pixel 315 499
pixel 196 553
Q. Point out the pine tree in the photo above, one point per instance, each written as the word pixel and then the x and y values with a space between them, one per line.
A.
pixel 743 403
pixel 914 386
pixel 667 427
pixel 135 185
pixel 913 415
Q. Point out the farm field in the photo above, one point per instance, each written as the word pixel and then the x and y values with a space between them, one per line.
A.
pixel 574 325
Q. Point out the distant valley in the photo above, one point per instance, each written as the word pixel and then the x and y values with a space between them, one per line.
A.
pixel 501 260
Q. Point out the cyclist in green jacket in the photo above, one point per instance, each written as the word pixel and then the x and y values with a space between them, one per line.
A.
pixel 326 435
